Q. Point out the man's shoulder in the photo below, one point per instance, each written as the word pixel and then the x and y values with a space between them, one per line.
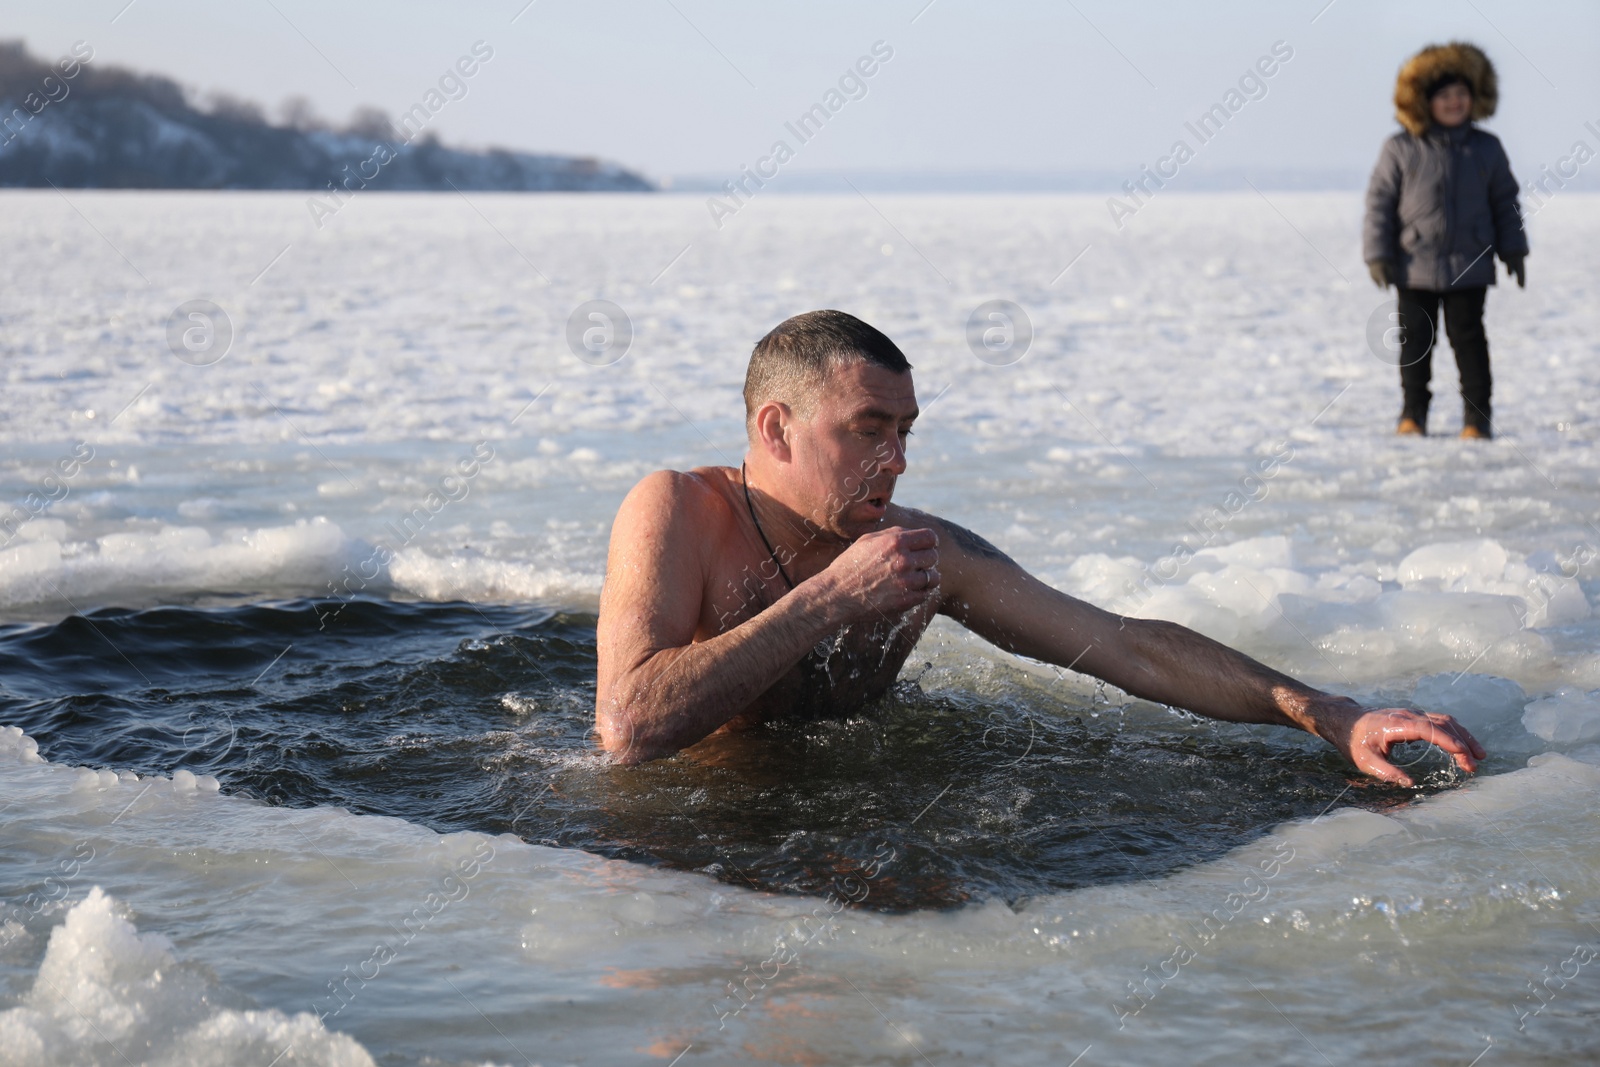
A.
pixel 951 534
pixel 697 496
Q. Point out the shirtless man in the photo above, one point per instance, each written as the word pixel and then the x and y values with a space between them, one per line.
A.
pixel 794 587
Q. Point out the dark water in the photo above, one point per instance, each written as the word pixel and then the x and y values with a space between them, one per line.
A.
pixel 462 717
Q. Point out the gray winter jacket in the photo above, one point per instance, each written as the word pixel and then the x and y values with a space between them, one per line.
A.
pixel 1441 206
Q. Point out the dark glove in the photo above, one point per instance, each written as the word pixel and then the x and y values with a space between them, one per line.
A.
pixel 1382 272
pixel 1514 267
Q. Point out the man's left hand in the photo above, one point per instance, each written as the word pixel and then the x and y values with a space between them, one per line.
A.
pixel 1366 737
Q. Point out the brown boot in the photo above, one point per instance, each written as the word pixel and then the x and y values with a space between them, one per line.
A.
pixel 1475 433
pixel 1410 428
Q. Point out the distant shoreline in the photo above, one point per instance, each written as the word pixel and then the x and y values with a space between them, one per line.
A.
pixel 1102 181
pixel 77 124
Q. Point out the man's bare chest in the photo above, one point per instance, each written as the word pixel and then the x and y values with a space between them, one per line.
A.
pixel 839 674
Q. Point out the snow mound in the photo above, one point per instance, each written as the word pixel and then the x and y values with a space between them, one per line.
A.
pixel 167 560
pixel 106 992
pixel 1457 606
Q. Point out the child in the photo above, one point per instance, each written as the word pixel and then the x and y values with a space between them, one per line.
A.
pixel 1441 204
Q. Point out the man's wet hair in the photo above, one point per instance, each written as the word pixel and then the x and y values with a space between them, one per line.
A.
pixel 791 362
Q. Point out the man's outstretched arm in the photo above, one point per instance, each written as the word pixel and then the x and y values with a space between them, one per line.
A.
pixel 991 595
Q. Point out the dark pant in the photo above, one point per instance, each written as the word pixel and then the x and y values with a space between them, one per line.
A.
pixel 1463 324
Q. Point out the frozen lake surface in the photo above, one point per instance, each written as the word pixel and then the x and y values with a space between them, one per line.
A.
pixel 298 748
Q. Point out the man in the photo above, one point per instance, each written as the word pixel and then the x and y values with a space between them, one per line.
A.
pixel 795 587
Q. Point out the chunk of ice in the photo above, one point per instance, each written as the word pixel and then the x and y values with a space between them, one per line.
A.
pixel 1567 715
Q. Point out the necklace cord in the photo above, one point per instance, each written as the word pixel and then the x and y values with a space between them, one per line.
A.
pixel 745 482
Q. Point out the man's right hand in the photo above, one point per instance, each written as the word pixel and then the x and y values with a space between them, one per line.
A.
pixel 886 572
pixel 1382 273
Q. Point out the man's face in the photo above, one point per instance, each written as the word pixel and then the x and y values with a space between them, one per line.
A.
pixel 848 455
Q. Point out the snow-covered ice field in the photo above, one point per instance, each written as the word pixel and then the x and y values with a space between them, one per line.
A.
pixel 1201 378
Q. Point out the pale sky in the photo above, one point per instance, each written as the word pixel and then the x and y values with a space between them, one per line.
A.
pixel 676 87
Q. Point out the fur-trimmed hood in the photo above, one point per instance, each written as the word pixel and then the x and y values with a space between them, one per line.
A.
pixel 1432 63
